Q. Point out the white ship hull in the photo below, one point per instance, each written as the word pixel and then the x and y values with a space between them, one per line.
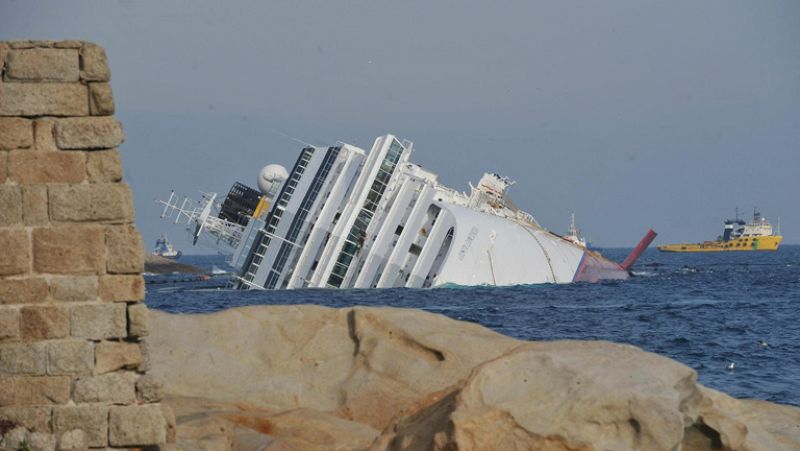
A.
pixel 490 250
pixel 342 218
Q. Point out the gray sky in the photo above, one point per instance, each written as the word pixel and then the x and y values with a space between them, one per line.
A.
pixel 633 114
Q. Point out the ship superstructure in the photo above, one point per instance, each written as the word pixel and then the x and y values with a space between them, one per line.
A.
pixel 345 218
pixel 163 248
pixel 574 234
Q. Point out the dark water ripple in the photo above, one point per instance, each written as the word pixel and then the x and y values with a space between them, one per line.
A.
pixel 705 310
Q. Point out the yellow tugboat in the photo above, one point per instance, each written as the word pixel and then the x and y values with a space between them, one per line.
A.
pixel 757 235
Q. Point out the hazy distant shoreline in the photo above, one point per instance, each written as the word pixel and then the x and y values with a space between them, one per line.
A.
pixel 159 265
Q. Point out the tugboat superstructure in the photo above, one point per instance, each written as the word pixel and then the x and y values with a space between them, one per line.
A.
pixel 756 235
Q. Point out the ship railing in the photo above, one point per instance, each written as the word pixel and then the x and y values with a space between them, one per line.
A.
pixel 526 217
pixel 456 197
pixel 202 216
pixel 249 284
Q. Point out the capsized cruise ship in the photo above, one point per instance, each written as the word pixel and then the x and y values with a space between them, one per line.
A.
pixel 345 218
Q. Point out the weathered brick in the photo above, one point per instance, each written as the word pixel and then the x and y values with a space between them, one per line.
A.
pixel 30 43
pixel 73 440
pixel 116 388
pixel 34 205
pixel 68 44
pixel 69 249
pixel 93 420
pixel 42 441
pixel 145 366
pixel 15 133
pixel 172 426
pixel 34 390
pixel 104 166
pixel 44 135
pixel 43 64
pixel 3 166
pixel 43 321
pixel 74 288
pixel 17 439
pixel 10 205
pixel 9 323
pixel 91 202
pixel 98 321
pixel 119 288
pixel 149 389
pixel 89 133
pixel 23 291
pixel 16 255
pixel 125 250
pixel 32 418
pixel 44 99
pixel 23 359
pixel 95 64
pixel 115 355
pixel 137 320
pixel 70 357
pixel 46 167
pixel 136 425
pixel 101 99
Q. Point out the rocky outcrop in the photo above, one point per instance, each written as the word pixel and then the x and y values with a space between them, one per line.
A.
pixel 584 396
pixel 307 377
pixel 364 365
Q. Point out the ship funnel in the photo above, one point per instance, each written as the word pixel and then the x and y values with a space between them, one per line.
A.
pixel 638 250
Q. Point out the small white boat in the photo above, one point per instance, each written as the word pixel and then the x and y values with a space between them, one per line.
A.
pixel 574 235
pixel 164 249
pixel 217 271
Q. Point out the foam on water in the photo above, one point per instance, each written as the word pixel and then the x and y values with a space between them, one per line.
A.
pixel 705 310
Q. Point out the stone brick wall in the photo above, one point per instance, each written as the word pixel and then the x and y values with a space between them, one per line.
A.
pixel 72 321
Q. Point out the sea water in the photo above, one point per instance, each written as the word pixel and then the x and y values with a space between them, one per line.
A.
pixel 706 310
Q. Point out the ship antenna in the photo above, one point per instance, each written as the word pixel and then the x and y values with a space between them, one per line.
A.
pixel 292 138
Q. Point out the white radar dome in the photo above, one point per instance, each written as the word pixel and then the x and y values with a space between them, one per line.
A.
pixel 269 175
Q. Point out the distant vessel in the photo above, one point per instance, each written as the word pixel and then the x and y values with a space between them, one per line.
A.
pixel 345 218
pixel 574 234
pixel 164 248
pixel 757 235
pixel 217 271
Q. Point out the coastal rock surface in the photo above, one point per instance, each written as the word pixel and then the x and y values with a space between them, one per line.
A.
pixel 309 377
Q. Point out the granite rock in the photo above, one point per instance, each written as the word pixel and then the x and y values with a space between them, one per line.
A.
pixel 429 382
